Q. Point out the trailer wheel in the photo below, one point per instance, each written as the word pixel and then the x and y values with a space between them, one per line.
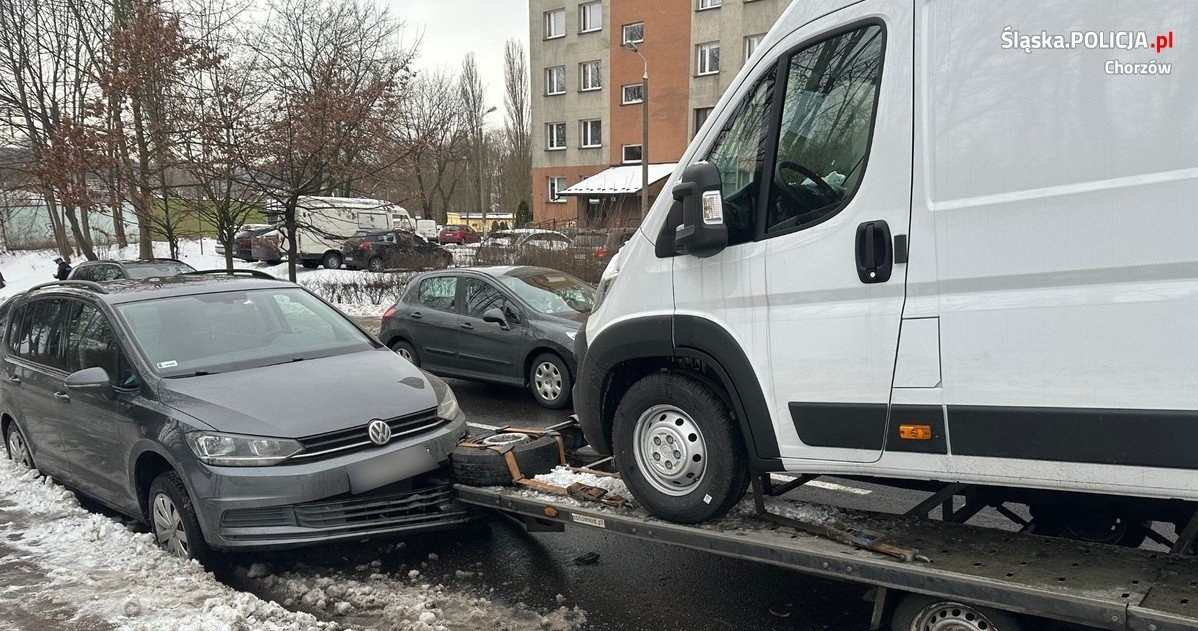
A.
pixel 475 466
pixel 679 449
pixel 925 613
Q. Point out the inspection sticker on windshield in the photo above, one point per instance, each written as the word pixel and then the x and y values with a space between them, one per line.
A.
pixel 588 520
pixel 171 364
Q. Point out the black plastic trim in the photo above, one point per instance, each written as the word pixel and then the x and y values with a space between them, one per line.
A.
pixel 840 425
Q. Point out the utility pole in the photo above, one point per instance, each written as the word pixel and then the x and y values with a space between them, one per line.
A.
pixel 644 131
pixel 482 195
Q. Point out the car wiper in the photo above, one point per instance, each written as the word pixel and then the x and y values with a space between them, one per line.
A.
pixel 198 373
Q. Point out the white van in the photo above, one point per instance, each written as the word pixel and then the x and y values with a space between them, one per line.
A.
pixel 324 223
pixel 921 241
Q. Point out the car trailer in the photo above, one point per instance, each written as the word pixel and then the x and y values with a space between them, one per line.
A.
pixel 953 569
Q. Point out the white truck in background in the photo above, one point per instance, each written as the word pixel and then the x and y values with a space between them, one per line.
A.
pixel 324 223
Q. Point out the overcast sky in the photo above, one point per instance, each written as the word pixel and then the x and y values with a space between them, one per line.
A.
pixel 451 28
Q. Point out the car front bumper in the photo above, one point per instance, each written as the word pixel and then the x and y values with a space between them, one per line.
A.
pixel 401 487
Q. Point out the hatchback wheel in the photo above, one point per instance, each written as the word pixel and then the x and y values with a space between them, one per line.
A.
pixel 549 380
pixel 406 351
pixel 375 264
pixel 173 520
pixel 18 449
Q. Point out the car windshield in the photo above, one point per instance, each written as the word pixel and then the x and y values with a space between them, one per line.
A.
pixel 203 334
pixel 155 269
pixel 552 293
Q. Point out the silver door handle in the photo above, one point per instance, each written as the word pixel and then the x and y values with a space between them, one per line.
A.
pixel 62 396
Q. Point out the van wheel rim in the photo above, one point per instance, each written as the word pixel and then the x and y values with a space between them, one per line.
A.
pixel 168 526
pixel 949 616
pixel 548 381
pixel 670 450
pixel 18 450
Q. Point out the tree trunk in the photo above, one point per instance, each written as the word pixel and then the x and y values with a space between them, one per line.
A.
pixel 145 206
pixel 82 240
pixel 60 234
pixel 289 227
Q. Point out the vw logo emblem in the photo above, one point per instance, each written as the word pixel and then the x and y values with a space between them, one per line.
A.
pixel 379 432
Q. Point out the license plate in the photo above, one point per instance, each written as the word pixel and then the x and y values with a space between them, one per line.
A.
pixel 394 467
pixel 349 258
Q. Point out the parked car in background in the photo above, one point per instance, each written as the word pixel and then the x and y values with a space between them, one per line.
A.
pixel 616 238
pixel 510 325
pixel 156 414
pixel 118 270
pixel 458 234
pixel 393 249
pixel 427 228
pixel 244 241
pixel 513 247
pixel 267 247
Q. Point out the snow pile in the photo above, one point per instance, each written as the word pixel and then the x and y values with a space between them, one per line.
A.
pixel 403 601
pixel 113 574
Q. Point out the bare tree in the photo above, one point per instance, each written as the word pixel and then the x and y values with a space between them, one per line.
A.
pixel 516 171
pixel 475 106
pixel 436 140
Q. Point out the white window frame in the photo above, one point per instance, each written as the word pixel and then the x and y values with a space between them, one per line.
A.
pixel 549 82
pixel 557 184
pixel 624 94
pixel 585 138
pixel 752 43
pixel 703 58
pixel 555 136
pixel 624 33
pixel 582 18
pixel 549 34
pixel 624 154
pixel 595 77
pixel 709 4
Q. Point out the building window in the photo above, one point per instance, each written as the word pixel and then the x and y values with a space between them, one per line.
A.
pixel 555 24
pixel 556 186
pixel 710 4
pixel 701 115
pixel 634 33
pixel 555 80
pixel 708 61
pixel 632 94
pixel 592 133
pixel 632 154
pixel 751 44
pixel 588 73
pixel 590 17
pixel 555 134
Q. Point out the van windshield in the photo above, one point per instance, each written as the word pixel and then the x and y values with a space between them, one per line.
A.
pixel 204 334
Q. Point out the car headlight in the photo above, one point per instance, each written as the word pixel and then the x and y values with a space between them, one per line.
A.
pixel 231 450
pixel 447 403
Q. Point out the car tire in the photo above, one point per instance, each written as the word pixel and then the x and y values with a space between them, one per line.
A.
pixel 679 449
pixel 331 260
pixel 375 264
pixel 172 519
pixel 17 447
pixel 916 612
pixel 476 466
pixel 406 351
pixel 549 380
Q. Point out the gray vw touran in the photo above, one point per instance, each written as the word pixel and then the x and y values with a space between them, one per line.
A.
pixel 227 412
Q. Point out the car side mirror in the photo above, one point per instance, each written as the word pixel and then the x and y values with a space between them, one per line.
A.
pixel 701 232
pixel 88 379
pixel 495 314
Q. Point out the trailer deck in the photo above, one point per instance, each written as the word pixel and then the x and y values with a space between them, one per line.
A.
pixel 1095 585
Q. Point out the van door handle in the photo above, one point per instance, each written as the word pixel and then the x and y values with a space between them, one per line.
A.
pixel 875 252
pixel 416 315
pixel 14 380
pixel 62 396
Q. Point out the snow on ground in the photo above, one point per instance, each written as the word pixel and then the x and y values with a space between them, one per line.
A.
pixel 107 572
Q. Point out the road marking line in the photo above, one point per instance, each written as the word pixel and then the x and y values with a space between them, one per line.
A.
pixel 827 486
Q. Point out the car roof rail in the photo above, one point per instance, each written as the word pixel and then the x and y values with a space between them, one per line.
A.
pixel 253 273
pixel 78 284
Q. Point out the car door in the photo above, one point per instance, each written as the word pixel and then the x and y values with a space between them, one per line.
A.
pixel 433 322
pixel 34 371
pixel 96 427
pixel 488 349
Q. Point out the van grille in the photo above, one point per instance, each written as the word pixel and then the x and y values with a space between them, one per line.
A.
pixel 348 441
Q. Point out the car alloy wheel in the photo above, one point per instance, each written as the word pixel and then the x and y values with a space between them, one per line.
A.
pixel 168 526
pixel 18 450
pixel 670 450
pixel 548 380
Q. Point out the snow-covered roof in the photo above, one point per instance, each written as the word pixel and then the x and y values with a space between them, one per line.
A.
pixel 622 180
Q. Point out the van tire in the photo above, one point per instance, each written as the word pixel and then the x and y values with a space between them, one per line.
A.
pixel 683 400
pixel 476 466
pixel 331 260
pixel 170 486
pixel 915 610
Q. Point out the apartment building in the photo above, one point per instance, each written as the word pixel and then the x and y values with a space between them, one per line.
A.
pixel 587 96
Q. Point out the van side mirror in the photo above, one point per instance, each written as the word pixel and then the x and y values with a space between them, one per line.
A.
pixel 88 379
pixel 702 232
pixel 495 314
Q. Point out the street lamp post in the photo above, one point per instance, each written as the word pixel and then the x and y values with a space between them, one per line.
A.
pixel 644 131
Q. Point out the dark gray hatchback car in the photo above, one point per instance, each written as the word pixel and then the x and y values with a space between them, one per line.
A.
pixel 222 411
pixel 510 325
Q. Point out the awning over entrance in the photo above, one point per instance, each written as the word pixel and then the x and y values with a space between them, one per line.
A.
pixel 621 180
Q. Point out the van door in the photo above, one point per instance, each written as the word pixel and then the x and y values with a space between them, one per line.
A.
pixel 837 204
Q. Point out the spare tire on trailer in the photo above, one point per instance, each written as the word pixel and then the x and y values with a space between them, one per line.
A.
pixel 484 466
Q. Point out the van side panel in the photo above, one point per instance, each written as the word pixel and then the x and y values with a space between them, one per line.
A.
pixel 1060 202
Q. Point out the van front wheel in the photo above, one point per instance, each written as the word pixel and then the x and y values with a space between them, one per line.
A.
pixel 678 448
